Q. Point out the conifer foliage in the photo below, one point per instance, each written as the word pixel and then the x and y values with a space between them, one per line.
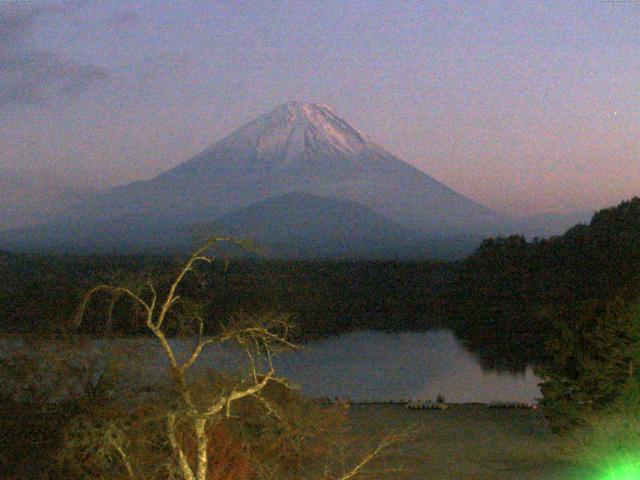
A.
pixel 593 357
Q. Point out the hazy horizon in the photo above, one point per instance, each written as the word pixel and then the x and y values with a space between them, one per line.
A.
pixel 525 107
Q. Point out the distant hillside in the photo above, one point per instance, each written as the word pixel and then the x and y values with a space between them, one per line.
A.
pixel 545 225
pixel 301 225
pixel 297 147
pixel 505 288
pixel 294 226
pixel 32 197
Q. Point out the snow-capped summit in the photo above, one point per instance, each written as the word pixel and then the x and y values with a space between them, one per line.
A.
pixel 296 126
pixel 296 147
pixel 294 129
pixel 295 134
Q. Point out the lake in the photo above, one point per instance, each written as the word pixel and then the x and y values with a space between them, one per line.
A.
pixel 361 366
pixel 381 366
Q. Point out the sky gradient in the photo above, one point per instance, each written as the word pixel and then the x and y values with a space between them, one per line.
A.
pixel 524 106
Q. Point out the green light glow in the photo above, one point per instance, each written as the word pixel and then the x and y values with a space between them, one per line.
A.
pixel 629 470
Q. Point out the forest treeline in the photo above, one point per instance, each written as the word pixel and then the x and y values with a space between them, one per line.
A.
pixel 498 300
pixel 42 293
pixel 507 294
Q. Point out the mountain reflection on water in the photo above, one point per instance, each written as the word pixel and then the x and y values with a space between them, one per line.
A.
pixel 368 365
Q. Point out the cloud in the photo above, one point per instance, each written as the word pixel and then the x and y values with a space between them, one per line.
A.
pixel 33 76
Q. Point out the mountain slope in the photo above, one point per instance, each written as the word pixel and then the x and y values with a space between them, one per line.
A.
pixel 300 225
pixel 294 225
pixel 297 147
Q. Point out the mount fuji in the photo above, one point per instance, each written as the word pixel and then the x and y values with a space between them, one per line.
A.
pixel 301 148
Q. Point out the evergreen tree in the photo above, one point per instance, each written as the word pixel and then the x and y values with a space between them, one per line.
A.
pixel 592 356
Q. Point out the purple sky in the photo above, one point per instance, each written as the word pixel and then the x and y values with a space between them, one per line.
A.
pixel 525 106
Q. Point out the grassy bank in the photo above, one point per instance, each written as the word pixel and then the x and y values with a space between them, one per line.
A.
pixel 468 442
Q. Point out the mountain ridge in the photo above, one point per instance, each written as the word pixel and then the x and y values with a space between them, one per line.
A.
pixel 301 225
pixel 297 147
pixel 292 149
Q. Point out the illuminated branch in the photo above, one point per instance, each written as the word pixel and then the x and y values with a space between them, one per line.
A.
pixel 384 444
pixel 259 338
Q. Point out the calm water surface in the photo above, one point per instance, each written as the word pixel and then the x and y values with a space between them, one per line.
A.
pixel 391 366
pixel 362 366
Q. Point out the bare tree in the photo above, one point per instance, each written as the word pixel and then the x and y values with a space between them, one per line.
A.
pixel 198 407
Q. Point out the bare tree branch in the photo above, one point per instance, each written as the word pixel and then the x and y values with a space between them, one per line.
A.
pixel 116 291
pixel 185 468
pixel 384 444
pixel 259 337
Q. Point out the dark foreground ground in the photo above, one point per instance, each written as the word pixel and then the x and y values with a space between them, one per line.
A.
pixel 468 442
